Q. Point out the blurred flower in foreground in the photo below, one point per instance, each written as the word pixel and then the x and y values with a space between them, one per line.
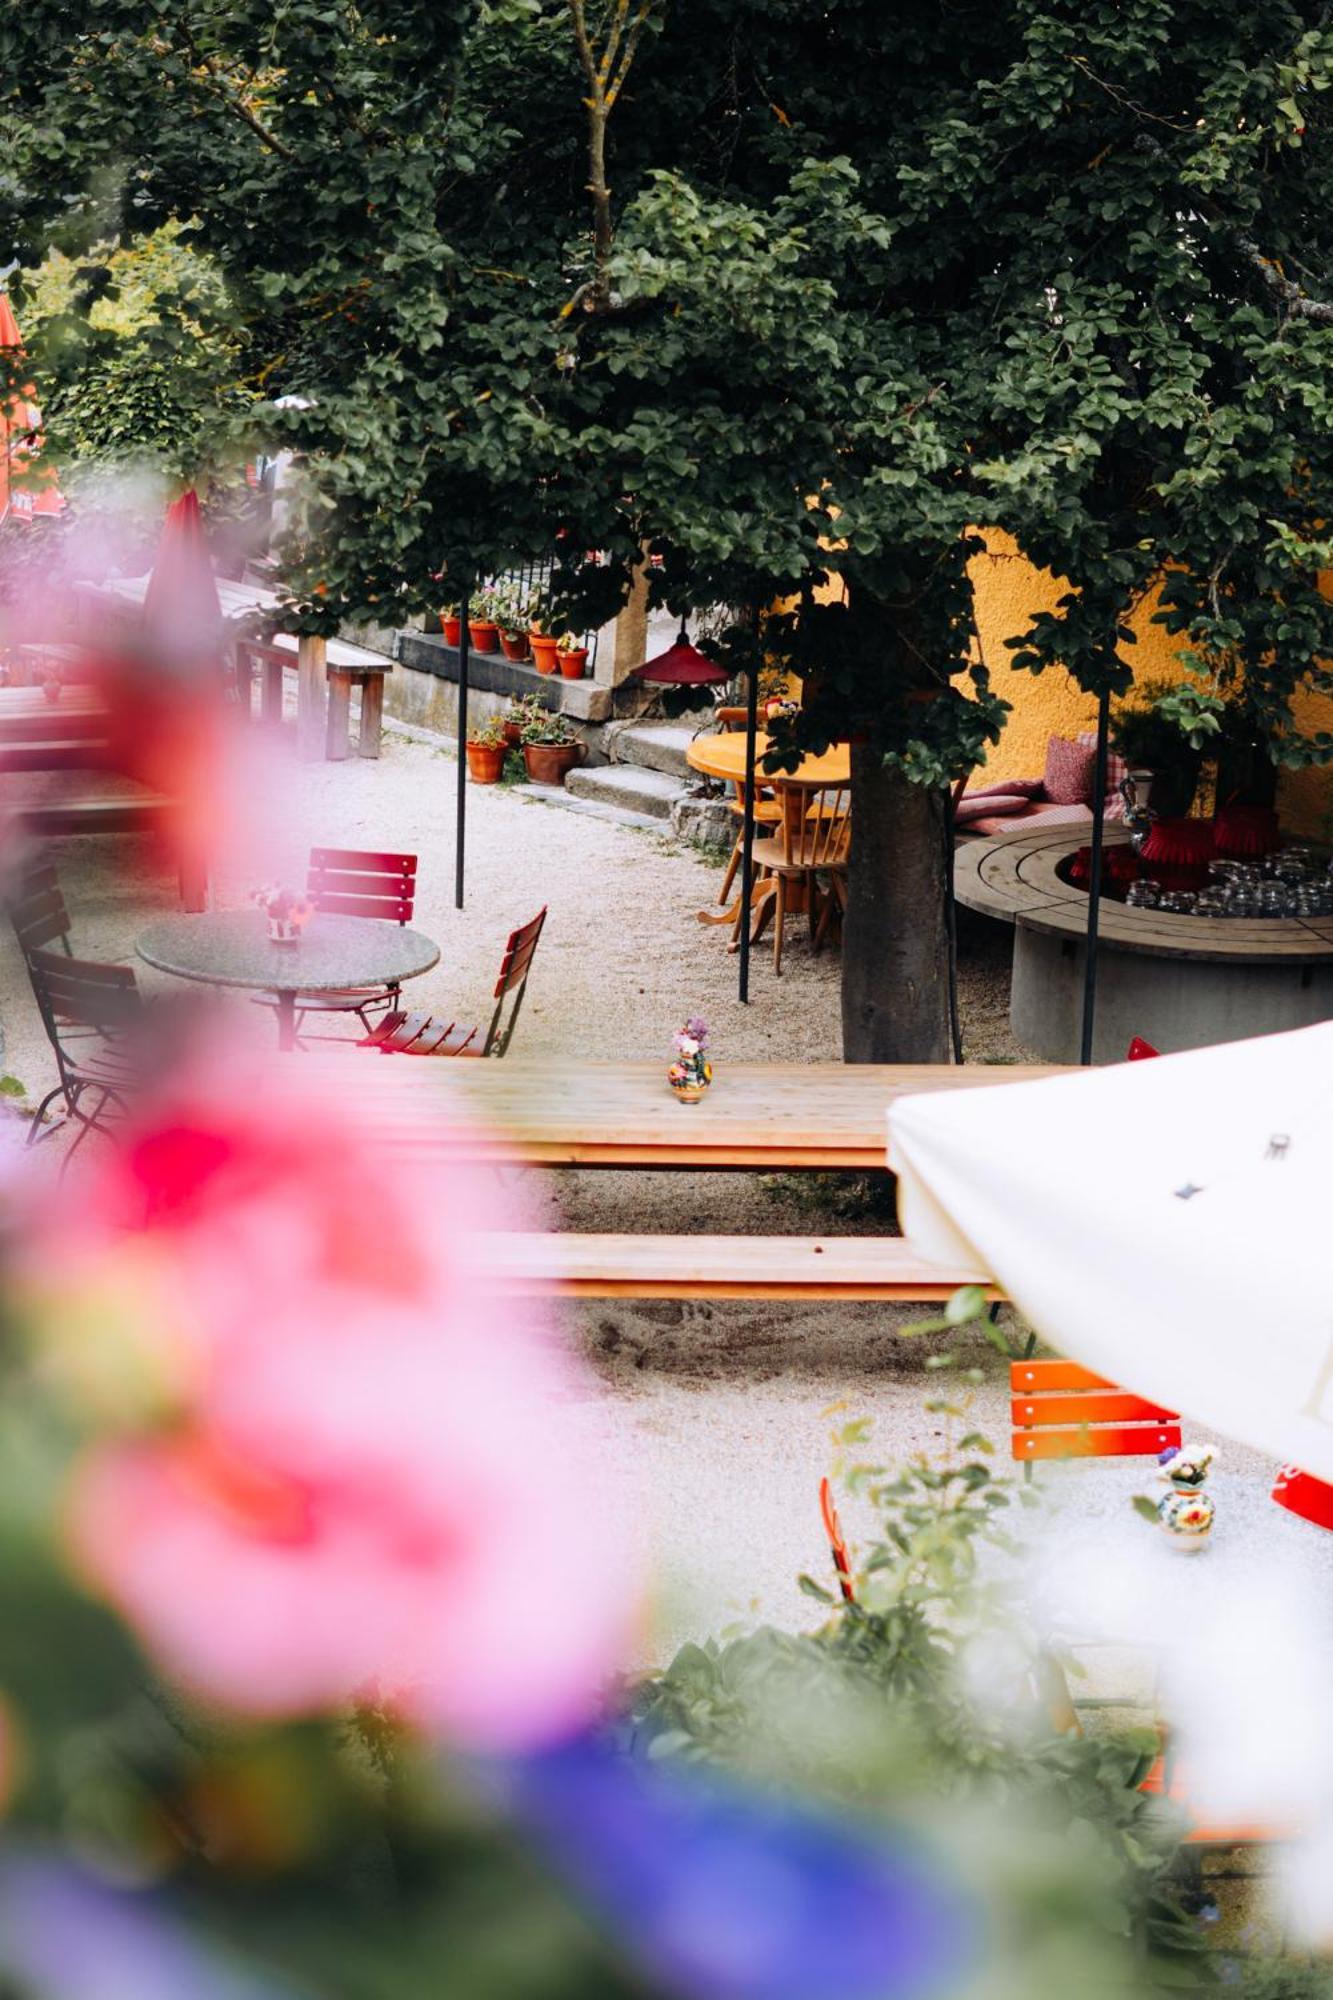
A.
pixel 723 1893
pixel 67 1936
pixel 354 1479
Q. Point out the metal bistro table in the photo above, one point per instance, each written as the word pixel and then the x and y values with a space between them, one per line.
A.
pixel 233 948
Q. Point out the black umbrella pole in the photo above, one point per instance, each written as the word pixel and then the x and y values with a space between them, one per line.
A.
pixel 460 834
pixel 1095 879
pixel 747 832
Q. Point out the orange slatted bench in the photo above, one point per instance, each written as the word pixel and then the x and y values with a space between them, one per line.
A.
pixel 1060 1410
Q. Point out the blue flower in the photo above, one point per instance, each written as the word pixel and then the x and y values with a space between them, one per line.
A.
pixel 724 1893
pixel 65 1935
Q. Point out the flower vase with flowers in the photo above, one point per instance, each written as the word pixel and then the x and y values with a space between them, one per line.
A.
pixel 288 912
pixel 691 1072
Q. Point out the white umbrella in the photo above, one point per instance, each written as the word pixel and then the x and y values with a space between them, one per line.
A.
pixel 1168 1224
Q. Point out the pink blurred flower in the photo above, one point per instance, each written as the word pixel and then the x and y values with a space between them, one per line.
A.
pixel 365 1486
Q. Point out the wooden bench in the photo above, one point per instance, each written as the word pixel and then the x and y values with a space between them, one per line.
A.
pixel 882 1268
pixel 343 667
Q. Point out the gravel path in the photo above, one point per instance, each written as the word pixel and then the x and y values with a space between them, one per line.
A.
pixel 721 1411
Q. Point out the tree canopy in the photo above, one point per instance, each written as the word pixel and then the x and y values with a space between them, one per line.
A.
pixel 805 290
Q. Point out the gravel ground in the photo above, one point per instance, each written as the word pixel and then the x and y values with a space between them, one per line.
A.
pixel 721 1412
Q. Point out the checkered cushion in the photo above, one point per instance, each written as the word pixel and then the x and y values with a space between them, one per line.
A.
pixel 1117 770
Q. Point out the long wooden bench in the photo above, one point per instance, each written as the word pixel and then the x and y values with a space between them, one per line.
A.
pixel 883 1268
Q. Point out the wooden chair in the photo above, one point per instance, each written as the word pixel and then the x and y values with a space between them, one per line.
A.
pixel 38 912
pixel 1061 1410
pixel 423 1035
pixel 767 812
pixel 812 840
pixel 89 1011
pixel 348 882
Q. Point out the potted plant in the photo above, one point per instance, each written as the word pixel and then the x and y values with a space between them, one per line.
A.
pixel 550 747
pixel 1162 761
pixel 545 645
pixel 486 749
pixel 482 628
pixel 451 624
pixel 573 658
pixel 512 723
pixel 511 604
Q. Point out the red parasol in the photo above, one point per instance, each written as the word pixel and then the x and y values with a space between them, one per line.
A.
pixel 20 440
pixel 182 617
pixel 682 665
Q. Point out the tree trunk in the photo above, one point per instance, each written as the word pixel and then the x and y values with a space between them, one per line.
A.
pixel 895 948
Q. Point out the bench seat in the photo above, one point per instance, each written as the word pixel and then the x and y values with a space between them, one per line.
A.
pixel 884 1268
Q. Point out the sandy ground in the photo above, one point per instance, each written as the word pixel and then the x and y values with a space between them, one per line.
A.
pixel 719 1413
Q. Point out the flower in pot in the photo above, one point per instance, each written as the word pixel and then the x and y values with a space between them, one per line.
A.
pixel 511 604
pixel 451 623
pixel 550 747
pixel 545 645
pixel 573 658
pixel 486 749
pixel 512 723
pixel 483 630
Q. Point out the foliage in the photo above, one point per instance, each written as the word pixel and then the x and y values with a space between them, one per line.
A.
pixel 929 1686
pixel 1147 735
pixel 538 723
pixel 488 735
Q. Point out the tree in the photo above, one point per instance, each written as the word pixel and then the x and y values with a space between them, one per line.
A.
pixel 829 285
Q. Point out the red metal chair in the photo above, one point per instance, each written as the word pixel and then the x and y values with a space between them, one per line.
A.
pixel 423 1035
pixel 349 882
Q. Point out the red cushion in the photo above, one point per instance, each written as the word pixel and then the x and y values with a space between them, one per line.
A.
pixel 1071 772
pixel 988 805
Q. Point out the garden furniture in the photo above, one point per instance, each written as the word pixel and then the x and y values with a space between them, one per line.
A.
pixel 38 911
pixel 882 1268
pixel 811 842
pixel 423 1035
pixel 1059 1410
pixel 87 1010
pixel 351 882
pixel 335 955
pixel 721 754
pixel 577 1111
pixel 344 667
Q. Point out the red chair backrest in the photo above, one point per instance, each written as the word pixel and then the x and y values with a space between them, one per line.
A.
pixel 518 954
pixel 1060 1410
pixel 347 882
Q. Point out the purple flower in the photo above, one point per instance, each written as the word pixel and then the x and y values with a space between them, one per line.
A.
pixel 698 1028
pixel 68 1936
pixel 723 1893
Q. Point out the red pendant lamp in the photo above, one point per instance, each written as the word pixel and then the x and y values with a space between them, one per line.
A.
pixel 682 665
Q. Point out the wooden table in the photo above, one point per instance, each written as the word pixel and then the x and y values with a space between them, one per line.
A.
pixel 567 1112
pixel 323 722
pixel 721 754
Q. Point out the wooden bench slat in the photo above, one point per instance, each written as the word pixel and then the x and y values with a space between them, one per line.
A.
pixel 1114 1407
pixel 716 1267
pixel 1129 1441
pixel 1034 1377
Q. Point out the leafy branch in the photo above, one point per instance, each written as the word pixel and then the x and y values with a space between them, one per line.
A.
pixel 605 76
pixel 1298 303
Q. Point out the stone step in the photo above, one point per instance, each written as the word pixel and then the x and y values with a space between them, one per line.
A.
pixel 557 795
pixel 653 746
pixel 628 786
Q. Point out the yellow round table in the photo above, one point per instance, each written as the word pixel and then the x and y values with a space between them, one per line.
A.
pixel 721 754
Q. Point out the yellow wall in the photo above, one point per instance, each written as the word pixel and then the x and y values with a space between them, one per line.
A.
pixel 1009 589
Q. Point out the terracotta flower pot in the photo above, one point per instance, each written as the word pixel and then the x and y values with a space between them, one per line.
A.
pixel 513 735
pixel 514 644
pixel 544 650
pixel 547 763
pixel 485 762
pixel 573 662
pixel 484 634
pixel 452 628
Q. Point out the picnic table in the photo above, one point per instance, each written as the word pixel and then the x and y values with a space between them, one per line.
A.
pixel 326 669
pixel 568 1112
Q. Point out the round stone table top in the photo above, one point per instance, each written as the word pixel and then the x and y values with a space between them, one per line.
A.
pixel 1016 878
pixel 233 948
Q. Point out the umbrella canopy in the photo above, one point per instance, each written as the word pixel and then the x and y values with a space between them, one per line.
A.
pixel 682 665
pixel 20 442
pixel 1164 1223
pixel 182 616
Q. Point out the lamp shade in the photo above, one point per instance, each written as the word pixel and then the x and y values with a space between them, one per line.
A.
pixel 682 665
pixel 1245 831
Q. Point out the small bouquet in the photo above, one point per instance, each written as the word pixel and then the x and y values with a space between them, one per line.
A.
pixel 287 911
pixel 691 1072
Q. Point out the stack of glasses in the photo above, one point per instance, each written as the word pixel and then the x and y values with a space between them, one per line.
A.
pixel 1294 883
